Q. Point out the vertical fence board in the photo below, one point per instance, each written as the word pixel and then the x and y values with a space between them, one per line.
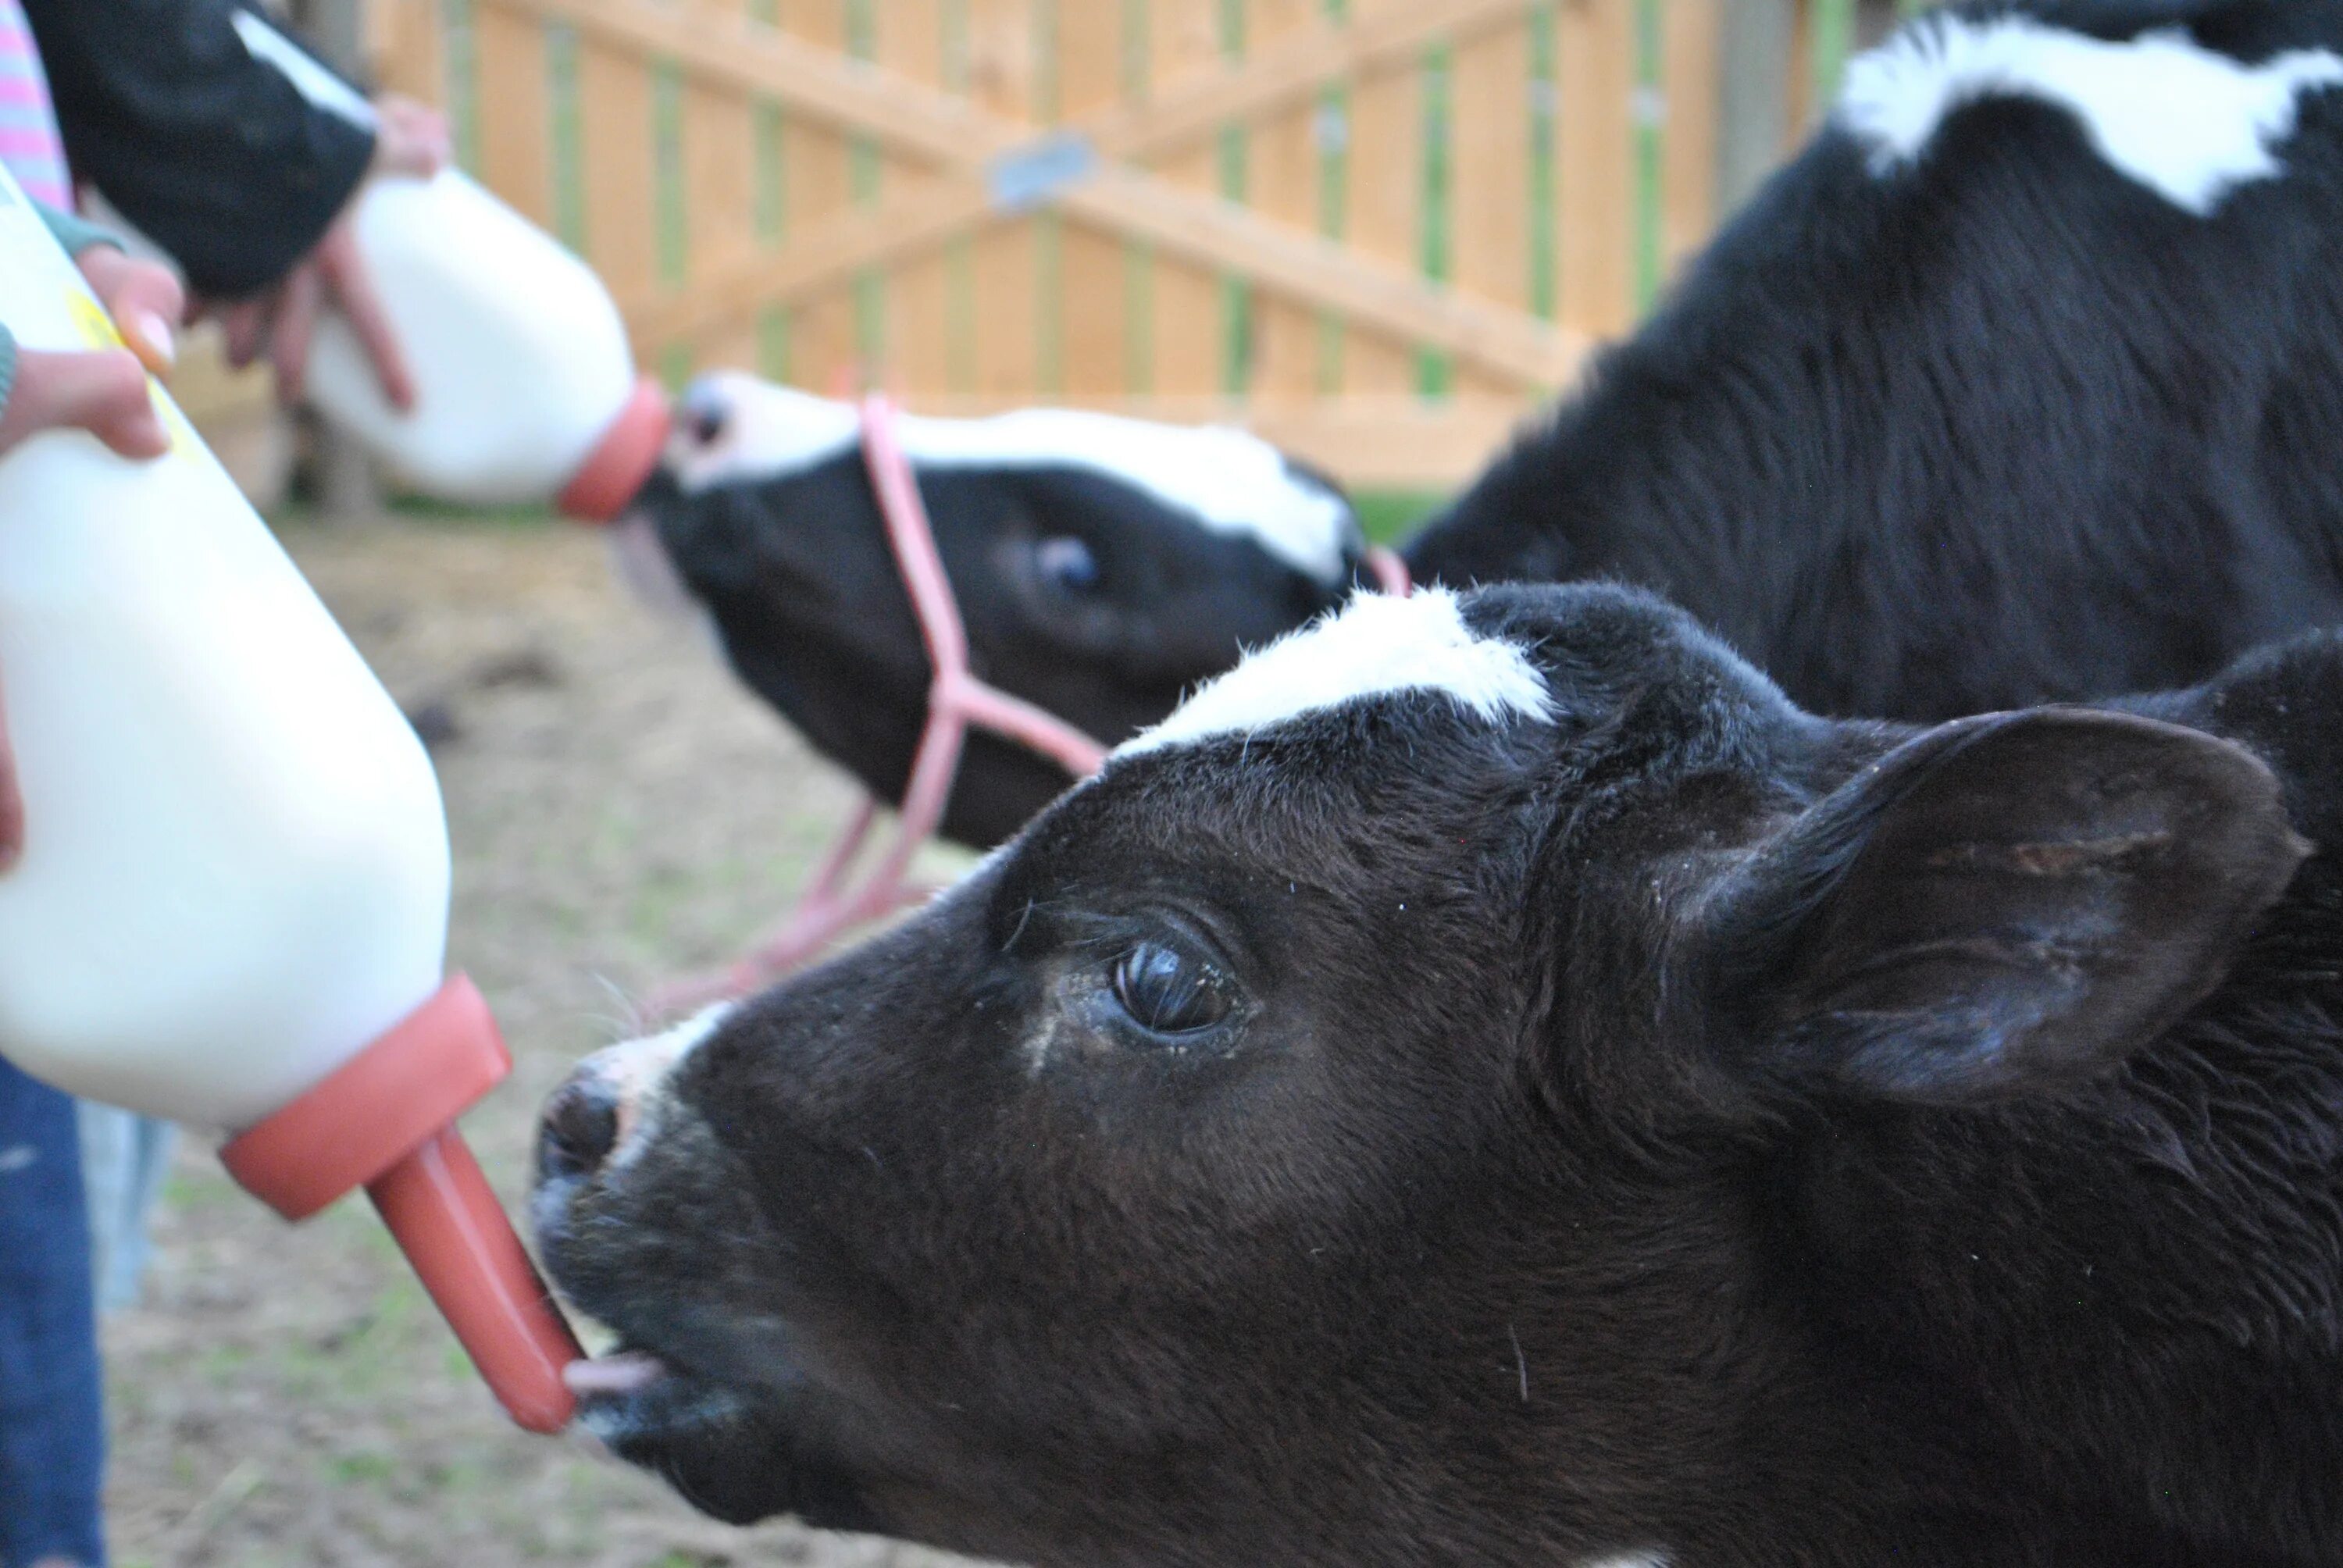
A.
pixel 1594 126
pixel 1490 200
pixel 1091 76
pixel 815 160
pixel 617 139
pixel 1008 327
pixel 1384 170
pixel 1184 38
pixel 1284 186
pixel 508 49
pixel 719 205
pixel 410 57
pixel 911 45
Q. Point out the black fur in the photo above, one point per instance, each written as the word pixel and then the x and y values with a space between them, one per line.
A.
pixel 2002 429
pixel 1541 1197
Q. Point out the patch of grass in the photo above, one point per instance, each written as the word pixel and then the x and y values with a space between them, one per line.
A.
pixel 1389 517
pixel 363 1469
pixel 209 1192
pixel 361 1362
pixel 225 1365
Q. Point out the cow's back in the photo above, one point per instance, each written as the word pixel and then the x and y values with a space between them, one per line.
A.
pixel 1997 424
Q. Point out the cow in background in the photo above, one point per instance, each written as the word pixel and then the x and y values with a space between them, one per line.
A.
pixel 2022 381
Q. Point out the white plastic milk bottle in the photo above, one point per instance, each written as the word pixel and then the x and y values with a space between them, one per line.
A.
pixel 525 387
pixel 232 905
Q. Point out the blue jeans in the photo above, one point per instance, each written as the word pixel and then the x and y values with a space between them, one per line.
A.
pixel 52 1420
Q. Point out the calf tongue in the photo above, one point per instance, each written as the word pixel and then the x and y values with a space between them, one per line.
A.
pixel 621 1371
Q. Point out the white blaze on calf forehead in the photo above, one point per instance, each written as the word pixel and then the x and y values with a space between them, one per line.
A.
pixel 2188 122
pixel 1228 480
pixel 1377 646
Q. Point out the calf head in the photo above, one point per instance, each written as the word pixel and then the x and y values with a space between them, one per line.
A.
pixel 1102 567
pixel 1377 1121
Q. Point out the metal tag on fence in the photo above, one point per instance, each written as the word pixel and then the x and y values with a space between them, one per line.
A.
pixel 1029 176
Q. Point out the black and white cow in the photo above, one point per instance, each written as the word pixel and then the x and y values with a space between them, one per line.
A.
pixel 1490 1081
pixel 2024 381
pixel 1103 566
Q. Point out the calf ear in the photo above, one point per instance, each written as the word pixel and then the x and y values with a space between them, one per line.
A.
pixel 2001 905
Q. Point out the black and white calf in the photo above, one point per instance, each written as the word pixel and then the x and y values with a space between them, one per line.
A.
pixel 1102 565
pixel 2023 382
pixel 1491 1081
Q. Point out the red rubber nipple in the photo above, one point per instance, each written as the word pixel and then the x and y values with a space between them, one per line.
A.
pixel 622 460
pixel 386 1120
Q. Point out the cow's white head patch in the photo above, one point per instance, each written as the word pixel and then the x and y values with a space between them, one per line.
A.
pixel 2190 123
pixel 1376 646
pixel 1228 480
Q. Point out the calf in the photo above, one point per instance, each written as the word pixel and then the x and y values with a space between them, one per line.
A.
pixel 1490 1081
pixel 2023 382
pixel 1103 566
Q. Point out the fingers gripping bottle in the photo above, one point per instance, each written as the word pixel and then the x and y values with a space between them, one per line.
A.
pixel 525 389
pixel 232 905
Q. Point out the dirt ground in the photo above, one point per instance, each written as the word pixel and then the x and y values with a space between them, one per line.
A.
pixel 620 810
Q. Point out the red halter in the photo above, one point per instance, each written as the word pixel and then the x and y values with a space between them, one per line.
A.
pixel 957 700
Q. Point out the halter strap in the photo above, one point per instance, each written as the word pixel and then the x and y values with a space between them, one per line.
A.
pixel 957 700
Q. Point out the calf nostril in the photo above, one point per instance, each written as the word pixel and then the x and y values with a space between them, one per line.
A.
pixel 705 412
pixel 579 1130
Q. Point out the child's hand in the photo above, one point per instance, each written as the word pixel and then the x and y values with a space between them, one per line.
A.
pixel 142 297
pixel 411 141
pixel 103 391
pixel 410 138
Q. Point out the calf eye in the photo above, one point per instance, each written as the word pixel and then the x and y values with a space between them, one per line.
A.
pixel 705 414
pixel 1169 991
pixel 1066 564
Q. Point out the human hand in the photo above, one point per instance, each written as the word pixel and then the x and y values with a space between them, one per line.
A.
pixel 281 323
pixel 410 138
pixel 102 391
pixel 142 297
pixel 411 141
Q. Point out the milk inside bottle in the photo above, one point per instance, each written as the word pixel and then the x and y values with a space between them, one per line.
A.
pixel 231 909
pixel 525 387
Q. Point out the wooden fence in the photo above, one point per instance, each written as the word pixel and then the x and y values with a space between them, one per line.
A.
pixel 1376 230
